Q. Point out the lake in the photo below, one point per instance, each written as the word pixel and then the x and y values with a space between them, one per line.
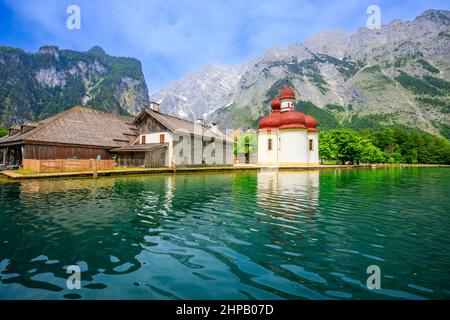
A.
pixel 241 235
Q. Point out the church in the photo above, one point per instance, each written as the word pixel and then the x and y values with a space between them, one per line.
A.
pixel 286 137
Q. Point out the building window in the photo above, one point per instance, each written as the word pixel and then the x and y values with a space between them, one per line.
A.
pixel 269 144
pixel 311 144
pixel 142 139
pixel 161 138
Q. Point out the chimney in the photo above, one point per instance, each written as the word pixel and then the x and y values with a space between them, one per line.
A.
pixel 154 106
pixel 214 128
pixel 85 99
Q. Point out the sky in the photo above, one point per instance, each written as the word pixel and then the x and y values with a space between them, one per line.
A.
pixel 172 38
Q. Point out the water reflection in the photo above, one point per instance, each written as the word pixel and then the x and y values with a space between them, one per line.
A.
pixel 289 194
pixel 48 225
pixel 268 234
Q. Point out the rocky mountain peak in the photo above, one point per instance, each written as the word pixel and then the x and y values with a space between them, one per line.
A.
pixel 438 16
pixel 201 92
pixel 97 50
pixel 39 85
pixel 49 50
pixel 330 42
pixel 399 74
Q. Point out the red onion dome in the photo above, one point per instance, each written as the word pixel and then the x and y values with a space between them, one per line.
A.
pixel 275 104
pixel 271 121
pixel 292 120
pixel 310 123
pixel 287 93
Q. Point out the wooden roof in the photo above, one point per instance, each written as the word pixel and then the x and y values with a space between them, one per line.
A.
pixel 79 126
pixel 140 147
pixel 179 125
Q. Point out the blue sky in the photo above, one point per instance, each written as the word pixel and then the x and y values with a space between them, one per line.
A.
pixel 172 38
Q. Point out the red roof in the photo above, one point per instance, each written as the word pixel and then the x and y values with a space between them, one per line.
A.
pixel 275 104
pixel 290 119
pixel 310 123
pixel 272 120
pixel 287 93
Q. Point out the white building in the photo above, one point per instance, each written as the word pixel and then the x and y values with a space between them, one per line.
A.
pixel 287 137
pixel 165 140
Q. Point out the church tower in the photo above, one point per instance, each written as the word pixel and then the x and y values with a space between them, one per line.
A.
pixel 287 137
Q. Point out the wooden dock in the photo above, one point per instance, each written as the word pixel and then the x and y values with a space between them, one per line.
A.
pixel 14 175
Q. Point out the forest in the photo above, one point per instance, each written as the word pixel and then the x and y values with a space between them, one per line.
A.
pixel 389 145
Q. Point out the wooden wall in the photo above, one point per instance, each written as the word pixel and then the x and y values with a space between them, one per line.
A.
pixel 46 152
pixel 149 125
pixel 156 158
pixel 62 165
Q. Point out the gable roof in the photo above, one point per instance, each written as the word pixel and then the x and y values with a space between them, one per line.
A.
pixel 79 126
pixel 179 125
pixel 141 147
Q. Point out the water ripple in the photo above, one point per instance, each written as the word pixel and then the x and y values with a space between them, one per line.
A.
pixel 256 235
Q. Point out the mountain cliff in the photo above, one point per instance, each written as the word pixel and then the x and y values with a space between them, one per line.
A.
pixel 200 93
pixel 398 74
pixel 37 85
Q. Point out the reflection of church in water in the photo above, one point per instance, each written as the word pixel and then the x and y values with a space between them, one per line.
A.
pixel 288 192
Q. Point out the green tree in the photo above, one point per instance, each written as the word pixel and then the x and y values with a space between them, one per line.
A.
pixel 368 153
pixel 3 132
pixel 344 145
pixel 247 143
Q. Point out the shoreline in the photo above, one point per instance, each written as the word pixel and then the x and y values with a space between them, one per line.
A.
pixel 12 175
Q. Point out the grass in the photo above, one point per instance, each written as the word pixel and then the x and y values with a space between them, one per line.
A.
pixel 25 172
pixel 330 162
pixel 128 168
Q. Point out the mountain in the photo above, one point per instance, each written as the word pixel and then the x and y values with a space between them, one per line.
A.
pixel 200 93
pixel 396 75
pixel 37 85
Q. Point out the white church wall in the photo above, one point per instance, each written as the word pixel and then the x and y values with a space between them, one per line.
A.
pixel 266 156
pixel 313 155
pixel 293 147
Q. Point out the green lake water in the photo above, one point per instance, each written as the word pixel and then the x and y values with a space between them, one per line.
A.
pixel 242 235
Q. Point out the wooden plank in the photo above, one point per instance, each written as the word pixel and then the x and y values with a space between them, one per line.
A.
pixel 63 165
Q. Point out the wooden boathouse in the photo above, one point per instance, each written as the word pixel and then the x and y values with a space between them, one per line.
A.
pixel 80 133
pixel 77 133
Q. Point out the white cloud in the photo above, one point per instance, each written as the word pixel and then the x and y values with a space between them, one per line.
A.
pixel 174 37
